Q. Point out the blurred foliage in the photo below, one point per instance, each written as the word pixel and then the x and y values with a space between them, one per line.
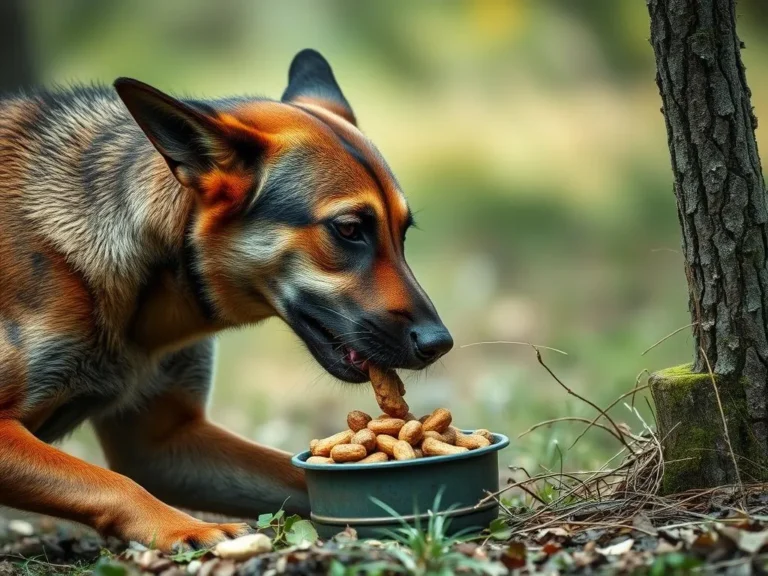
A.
pixel 528 137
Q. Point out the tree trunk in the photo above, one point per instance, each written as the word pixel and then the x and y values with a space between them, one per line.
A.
pixel 721 205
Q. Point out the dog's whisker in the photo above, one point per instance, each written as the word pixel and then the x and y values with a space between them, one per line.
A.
pixel 342 315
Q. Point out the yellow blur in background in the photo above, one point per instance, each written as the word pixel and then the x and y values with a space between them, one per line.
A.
pixel 528 138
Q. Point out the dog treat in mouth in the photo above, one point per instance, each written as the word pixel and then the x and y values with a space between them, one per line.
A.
pixel 389 391
pixel 370 440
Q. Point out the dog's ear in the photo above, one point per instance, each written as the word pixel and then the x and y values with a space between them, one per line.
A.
pixel 190 138
pixel 311 81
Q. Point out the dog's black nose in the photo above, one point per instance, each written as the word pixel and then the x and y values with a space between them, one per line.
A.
pixel 431 341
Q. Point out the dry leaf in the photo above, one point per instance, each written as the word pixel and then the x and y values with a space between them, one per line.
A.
pixel 547 534
pixel 664 547
pixel 617 549
pixel 642 522
pixel 514 556
pixel 749 542
pixel 584 559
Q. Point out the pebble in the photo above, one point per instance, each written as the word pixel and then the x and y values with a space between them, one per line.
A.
pixel 244 547
pixel 21 527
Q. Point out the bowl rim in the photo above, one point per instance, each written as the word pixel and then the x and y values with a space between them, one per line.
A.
pixel 500 442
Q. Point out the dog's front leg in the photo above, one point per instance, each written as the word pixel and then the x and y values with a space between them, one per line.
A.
pixel 172 450
pixel 37 477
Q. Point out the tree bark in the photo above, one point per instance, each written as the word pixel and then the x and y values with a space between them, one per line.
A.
pixel 721 204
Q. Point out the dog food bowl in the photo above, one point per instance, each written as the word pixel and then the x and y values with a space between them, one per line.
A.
pixel 340 495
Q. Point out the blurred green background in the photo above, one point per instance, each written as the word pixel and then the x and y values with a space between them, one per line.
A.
pixel 528 137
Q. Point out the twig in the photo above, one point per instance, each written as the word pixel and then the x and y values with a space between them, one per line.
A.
pixel 532 494
pixel 492 495
pixel 568 419
pixel 593 422
pixel 610 525
pixel 668 336
pixel 725 423
pixel 34 560
pixel 514 342
pixel 637 383
pixel 572 393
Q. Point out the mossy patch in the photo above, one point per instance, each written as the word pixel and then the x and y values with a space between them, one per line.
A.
pixel 691 426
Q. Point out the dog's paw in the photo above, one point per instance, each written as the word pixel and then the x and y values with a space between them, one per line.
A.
pixel 202 535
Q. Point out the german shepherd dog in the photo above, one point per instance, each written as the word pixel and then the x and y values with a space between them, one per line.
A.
pixel 134 227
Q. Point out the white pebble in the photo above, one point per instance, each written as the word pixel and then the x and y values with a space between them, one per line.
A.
pixel 244 547
pixel 21 528
pixel 194 567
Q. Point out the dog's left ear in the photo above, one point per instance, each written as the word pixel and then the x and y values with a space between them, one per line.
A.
pixel 217 161
pixel 311 81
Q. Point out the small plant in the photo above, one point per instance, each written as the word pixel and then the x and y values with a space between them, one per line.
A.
pixel 430 551
pixel 288 530
pixel 187 556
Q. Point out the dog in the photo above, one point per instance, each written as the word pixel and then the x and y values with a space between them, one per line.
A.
pixel 135 226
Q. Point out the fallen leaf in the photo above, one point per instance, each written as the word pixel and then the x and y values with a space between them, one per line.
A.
pixel 349 534
pixel 301 531
pixel 642 522
pixel 500 530
pixel 711 546
pixel 551 548
pixel 749 542
pixel 704 541
pixel 617 549
pixel 514 556
pixel 664 547
pixel 547 534
pixel 584 559
pixel 753 542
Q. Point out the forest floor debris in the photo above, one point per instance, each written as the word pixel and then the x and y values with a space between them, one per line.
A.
pixel 729 541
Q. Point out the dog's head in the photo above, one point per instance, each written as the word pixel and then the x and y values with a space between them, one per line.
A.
pixel 298 215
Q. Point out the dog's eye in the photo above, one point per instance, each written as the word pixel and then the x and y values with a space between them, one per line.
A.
pixel 349 230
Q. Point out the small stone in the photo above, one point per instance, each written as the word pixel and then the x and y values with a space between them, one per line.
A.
pixel 224 568
pixel 244 547
pixel 21 527
pixel 208 567
pixel 194 567
pixel 146 559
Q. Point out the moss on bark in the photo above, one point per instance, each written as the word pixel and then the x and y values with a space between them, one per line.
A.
pixel 691 428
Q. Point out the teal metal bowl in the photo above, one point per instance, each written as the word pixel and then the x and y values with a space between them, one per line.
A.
pixel 341 495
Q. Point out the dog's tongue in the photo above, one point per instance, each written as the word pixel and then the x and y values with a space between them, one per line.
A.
pixel 357 360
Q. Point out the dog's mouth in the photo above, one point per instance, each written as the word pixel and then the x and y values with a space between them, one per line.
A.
pixel 326 345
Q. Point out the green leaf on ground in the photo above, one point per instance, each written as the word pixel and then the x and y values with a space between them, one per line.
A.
pixel 500 530
pixel 301 531
pixel 188 556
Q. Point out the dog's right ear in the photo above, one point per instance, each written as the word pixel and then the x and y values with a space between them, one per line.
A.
pixel 311 81
pixel 191 140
